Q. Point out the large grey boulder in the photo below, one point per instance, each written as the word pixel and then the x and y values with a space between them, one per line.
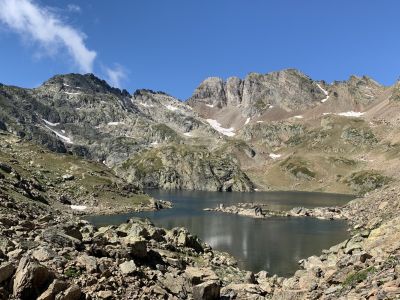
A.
pixel 54 288
pixel 89 262
pixel 6 271
pixel 128 267
pixel 58 237
pixel 209 290
pixel 72 293
pixel 31 278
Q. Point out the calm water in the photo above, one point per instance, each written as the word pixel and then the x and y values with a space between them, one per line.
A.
pixel 274 244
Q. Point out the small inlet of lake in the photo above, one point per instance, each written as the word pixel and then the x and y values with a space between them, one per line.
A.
pixel 274 244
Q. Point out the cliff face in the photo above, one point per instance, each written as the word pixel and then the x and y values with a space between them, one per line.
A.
pixel 183 167
pixel 289 89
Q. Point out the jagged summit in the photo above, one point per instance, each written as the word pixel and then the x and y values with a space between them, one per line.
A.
pixel 288 89
pixel 141 92
pixel 88 83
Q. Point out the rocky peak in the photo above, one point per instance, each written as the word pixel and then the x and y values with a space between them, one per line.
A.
pixel 211 91
pixel 288 89
pixel 361 91
pixel 143 92
pixel 87 83
pixel 364 80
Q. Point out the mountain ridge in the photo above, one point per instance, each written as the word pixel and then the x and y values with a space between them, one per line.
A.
pixel 83 115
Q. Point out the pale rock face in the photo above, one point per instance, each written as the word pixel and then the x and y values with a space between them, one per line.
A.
pixel 287 89
pixel 234 90
pixel 211 91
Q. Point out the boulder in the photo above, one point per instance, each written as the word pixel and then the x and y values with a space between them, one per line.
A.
pixel 6 271
pixel 138 246
pixel 105 294
pixel 31 278
pixel 58 237
pixel 89 262
pixel 5 245
pixel 250 278
pixel 64 199
pixel 209 290
pixel 106 235
pixel 67 177
pixel 128 267
pixel 182 238
pixel 198 275
pixel 54 288
pixel 173 283
pixel 43 254
pixel 72 293
pixel 5 167
pixel 243 291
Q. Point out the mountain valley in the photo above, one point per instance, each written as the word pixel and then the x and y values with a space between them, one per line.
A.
pixel 76 146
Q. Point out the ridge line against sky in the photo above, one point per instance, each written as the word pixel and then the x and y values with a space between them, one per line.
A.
pixel 172 46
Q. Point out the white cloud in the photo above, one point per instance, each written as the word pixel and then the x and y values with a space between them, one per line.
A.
pixel 74 8
pixel 29 19
pixel 115 75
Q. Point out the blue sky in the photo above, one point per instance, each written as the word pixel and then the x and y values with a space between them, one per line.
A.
pixel 173 45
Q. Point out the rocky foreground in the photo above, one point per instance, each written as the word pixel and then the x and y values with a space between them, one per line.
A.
pixel 47 253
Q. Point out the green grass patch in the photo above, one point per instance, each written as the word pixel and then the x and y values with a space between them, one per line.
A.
pixel 358 277
pixel 72 272
pixel 297 167
pixel 366 181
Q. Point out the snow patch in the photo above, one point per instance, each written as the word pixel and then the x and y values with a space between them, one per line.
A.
pixel 210 105
pixel 325 92
pixel 355 114
pixel 217 126
pixel 78 207
pixel 188 134
pixel 115 123
pixel 67 85
pixel 274 156
pixel 247 121
pixel 63 137
pixel 366 160
pixel 260 121
pixel 144 104
pixel 171 107
pixel 50 124
pixel 298 117
pixel 154 143
pixel 69 93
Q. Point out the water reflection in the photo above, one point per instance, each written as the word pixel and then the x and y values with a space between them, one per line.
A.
pixel 274 244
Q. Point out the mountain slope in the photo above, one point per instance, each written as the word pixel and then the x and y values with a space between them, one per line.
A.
pixel 83 115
